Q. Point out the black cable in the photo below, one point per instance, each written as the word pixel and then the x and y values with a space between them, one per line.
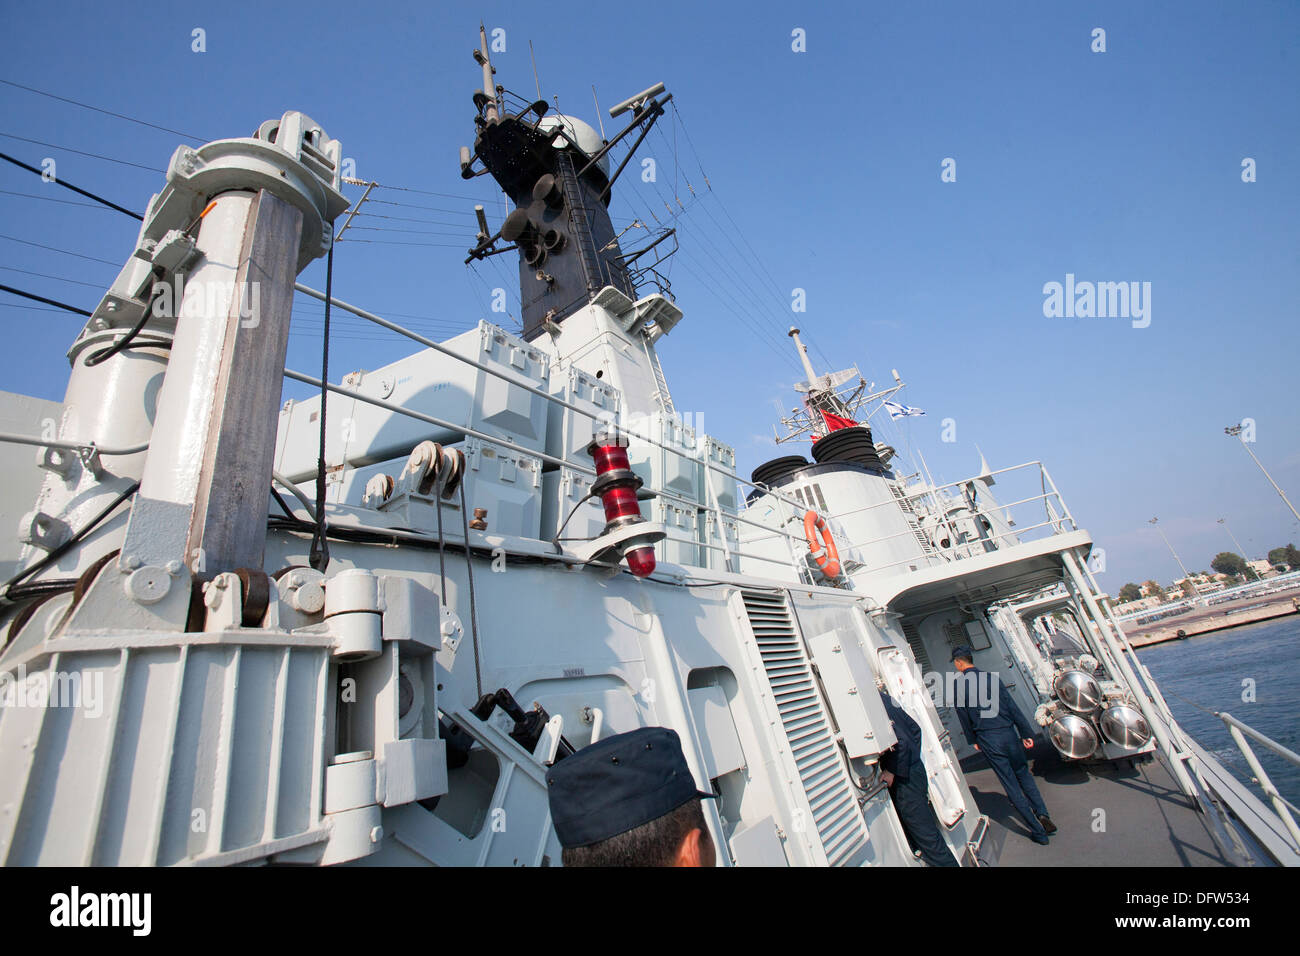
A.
pixel 442 547
pixel 75 189
pixel 104 354
pixel 557 539
pixel 40 298
pixel 281 502
pixel 21 592
pixel 319 557
pixel 469 572
pixel 64 548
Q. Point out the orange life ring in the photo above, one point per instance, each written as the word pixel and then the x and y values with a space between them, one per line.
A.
pixel 824 554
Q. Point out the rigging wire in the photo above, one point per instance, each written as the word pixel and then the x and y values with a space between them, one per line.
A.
pixel 398 242
pixel 40 298
pixel 97 109
pixel 319 556
pixel 760 268
pixel 46 275
pixel 65 202
pixel 410 205
pixel 81 152
pixel 428 192
pixel 417 232
pixel 431 222
pixel 53 249
pixel 76 189
pixel 469 572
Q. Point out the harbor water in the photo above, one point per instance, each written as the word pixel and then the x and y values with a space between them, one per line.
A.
pixel 1249 672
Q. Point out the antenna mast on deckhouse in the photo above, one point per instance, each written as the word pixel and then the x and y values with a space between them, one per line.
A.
pixel 834 400
pixel 556 170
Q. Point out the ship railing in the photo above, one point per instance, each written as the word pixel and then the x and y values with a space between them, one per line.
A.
pixel 937 504
pixel 1227 804
pixel 1284 807
pixel 692 455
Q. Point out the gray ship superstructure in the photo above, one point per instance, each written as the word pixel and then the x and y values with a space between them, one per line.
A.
pixel 358 630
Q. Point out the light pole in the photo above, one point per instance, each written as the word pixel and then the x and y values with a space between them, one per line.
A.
pixel 1187 577
pixel 1240 549
pixel 1235 431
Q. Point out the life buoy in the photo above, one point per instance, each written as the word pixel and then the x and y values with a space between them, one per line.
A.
pixel 821 545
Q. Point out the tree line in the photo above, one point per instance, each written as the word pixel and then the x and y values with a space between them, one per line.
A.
pixel 1225 562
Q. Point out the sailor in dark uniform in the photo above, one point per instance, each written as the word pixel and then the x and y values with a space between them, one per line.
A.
pixel 909 786
pixel 1001 733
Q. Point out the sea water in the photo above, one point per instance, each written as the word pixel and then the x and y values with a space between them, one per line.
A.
pixel 1250 672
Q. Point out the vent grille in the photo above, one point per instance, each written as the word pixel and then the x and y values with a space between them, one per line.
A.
pixel 807 728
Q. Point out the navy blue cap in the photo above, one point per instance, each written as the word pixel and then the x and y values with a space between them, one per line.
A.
pixel 964 651
pixel 618 784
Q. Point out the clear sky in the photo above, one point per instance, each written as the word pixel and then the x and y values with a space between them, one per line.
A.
pixel 825 173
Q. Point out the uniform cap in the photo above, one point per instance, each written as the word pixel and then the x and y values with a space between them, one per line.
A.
pixel 618 784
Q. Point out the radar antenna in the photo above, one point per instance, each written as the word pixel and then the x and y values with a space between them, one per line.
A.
pixel 844 395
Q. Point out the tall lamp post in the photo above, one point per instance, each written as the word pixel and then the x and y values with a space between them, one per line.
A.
pixel 1187 577
pixel 1240 549
pixel 1235 431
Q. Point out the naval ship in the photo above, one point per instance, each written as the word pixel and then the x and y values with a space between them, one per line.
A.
pixel 357 628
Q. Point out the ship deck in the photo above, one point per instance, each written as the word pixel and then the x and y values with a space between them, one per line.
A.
pixel 1148 821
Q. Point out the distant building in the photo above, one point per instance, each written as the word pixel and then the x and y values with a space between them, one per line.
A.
pixel 1262 568
pixel 1201 583
pixel 1141 604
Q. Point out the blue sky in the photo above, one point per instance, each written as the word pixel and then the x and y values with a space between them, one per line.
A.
pixel 825 174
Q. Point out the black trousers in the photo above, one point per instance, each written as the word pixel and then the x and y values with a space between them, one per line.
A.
pixel 912 802
pixel 1006 755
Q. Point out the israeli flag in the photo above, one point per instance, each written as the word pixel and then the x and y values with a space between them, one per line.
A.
pixel 898 410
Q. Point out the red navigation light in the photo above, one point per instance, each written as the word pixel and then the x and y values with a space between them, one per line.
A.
pixel 617 485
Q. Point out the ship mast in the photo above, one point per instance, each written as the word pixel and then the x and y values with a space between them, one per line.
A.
pixel 556 171
pixel 844 394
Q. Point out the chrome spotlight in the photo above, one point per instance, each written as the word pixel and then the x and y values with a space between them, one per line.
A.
pixel 1124 726
pixel 1078 691
pixel 1073 737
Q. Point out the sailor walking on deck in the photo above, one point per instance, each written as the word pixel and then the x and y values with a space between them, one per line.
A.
pixel 909 786
pixel 991 728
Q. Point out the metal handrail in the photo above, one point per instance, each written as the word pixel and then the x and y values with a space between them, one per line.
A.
pixel 1239 731
pixel 952 554
pixel 505 443
pixel 78 446
pixel 497 373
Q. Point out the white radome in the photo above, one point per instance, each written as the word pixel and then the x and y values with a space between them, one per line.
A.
pixel 588 140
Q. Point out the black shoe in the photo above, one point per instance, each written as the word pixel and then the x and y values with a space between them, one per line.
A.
pixel 1040 840
pixel 1047 823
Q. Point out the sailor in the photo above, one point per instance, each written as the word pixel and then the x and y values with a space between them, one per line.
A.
pixel 629 800
pixel 908 783
pixel 991 728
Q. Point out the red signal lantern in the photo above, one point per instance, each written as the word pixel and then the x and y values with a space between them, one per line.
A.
pixel 617 486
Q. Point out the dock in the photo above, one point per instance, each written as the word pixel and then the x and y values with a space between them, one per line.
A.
pixel 1207 620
